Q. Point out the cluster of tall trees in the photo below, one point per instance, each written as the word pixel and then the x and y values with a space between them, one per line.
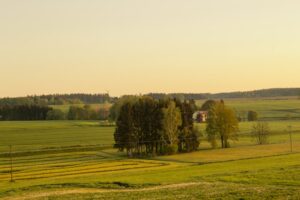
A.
pixel 146 126
pixel 24 112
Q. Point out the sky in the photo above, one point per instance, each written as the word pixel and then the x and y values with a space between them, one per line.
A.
pixel 142 46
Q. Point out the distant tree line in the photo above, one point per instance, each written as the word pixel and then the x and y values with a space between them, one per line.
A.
pixel 37 112
pixel 58 99
pixel 24 112
pixel 146 126
pixel 275 92
pixel 180 96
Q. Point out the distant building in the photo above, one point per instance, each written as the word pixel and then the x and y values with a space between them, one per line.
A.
pixel 200 116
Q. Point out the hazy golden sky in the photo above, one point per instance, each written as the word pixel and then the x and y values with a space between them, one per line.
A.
pixel 139 46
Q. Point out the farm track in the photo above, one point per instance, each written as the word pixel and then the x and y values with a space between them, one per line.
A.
pixel 35 195
pixel 57 156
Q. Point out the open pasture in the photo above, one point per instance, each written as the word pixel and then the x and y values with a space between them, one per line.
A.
pixel 273 176
pixel 47 135
pixel 235 153
pixel 268 108
pixel 60 156
pixel 279 133
pixel 33 135
pixel 27 168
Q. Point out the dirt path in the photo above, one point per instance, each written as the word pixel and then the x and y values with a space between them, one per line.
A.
pixel 34 195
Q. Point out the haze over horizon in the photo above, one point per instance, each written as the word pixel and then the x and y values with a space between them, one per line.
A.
pixel 135 46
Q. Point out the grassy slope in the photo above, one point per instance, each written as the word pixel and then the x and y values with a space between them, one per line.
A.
pixel 268 109
pixel 44 134
pixel 275 176
pixel 266 171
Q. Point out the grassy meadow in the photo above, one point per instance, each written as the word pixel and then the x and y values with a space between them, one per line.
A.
pixel 55 159
pixel 268 109
pixel 30 135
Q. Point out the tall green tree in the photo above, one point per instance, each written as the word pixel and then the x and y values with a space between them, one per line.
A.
pixel 211 127
pixel 125 137
pixel 147 117
pixel 188 138
pixel 171 122
pixel 116 107
pixel 207 105
pixel 222 123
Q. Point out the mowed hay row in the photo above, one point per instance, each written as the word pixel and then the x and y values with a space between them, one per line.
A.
pixel 80 172
pixel 54 164
pixel 40 167
pixel 51 157
pixel 78 169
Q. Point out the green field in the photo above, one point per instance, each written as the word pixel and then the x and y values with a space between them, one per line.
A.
pixel 271 173
pixel 268 109
pixel 49 134
pixel 57 159
pixel 32 135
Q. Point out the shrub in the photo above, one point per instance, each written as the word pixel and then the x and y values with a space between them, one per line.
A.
pixel 252 116
pixel 260 132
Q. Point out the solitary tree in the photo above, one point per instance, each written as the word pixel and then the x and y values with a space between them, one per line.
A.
pixel 222 123
pixel 260 132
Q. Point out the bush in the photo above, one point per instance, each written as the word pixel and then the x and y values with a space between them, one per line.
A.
pixel 56 115
pixel 170 149
pixel 252 116
pixel 260 132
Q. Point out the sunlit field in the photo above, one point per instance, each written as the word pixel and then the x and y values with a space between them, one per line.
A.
pixel 53 157
pixel 53 134
pixel 268 108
